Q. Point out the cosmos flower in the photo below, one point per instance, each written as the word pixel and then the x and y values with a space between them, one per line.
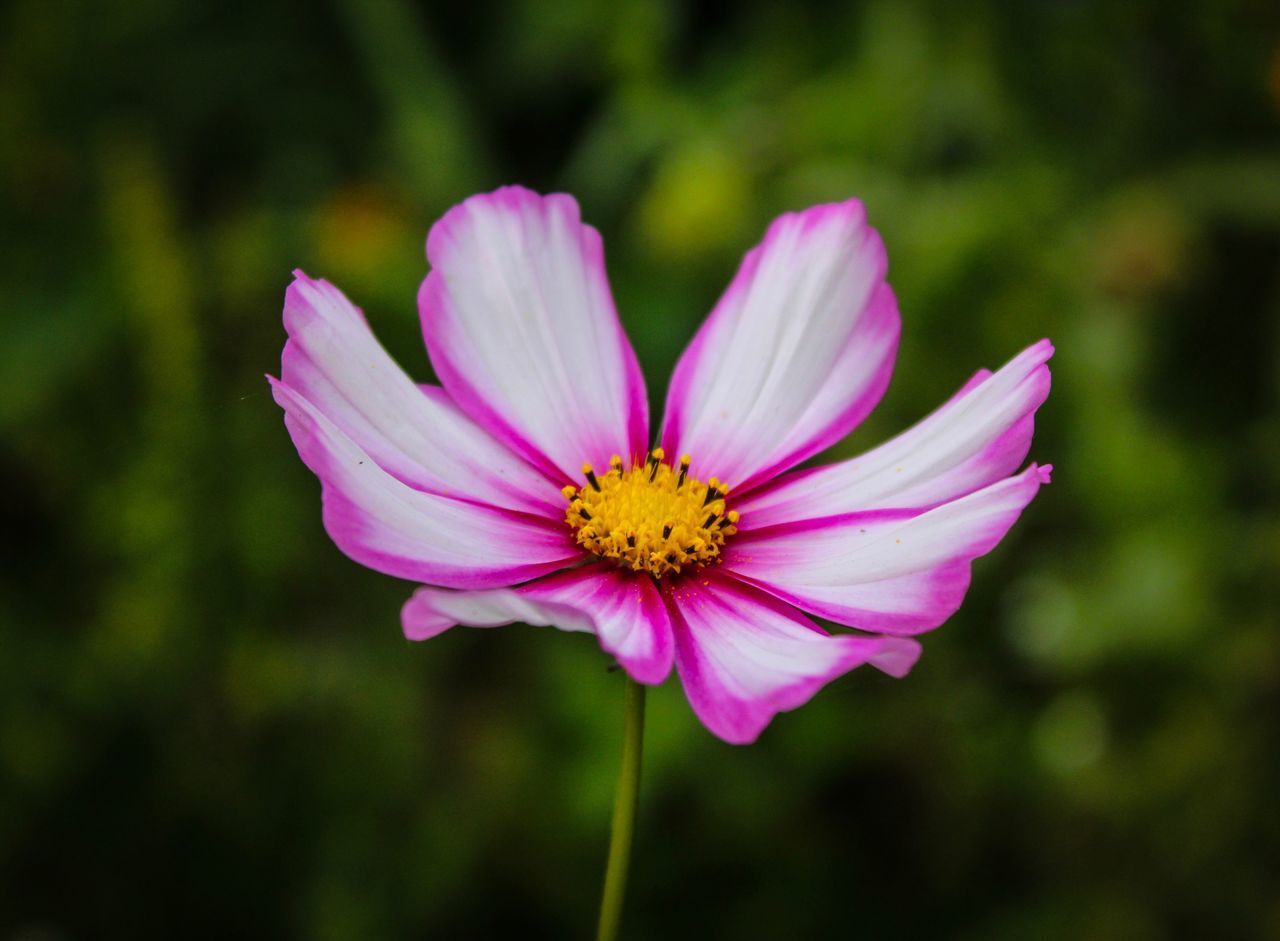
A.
pixel 524 487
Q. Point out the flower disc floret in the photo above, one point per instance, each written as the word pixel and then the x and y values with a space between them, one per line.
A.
pixel 652 516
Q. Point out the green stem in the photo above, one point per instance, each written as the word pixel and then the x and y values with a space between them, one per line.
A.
pixel 624 815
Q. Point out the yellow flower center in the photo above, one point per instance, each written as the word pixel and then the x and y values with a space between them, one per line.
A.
pixel 651 517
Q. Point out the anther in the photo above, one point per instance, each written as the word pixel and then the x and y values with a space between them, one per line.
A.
pixel 655 459
pixel 616 462
pixel 685 461
pixel 569 491
pixel 710 519
pixel 666 531
pixel 582 511
pixel 591 477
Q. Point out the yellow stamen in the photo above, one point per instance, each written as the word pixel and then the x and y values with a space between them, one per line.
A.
pixel 651 517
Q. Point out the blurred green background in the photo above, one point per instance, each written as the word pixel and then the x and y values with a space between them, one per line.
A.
pixel 210 725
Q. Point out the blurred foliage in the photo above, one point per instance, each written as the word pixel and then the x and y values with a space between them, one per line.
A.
pixel 210 724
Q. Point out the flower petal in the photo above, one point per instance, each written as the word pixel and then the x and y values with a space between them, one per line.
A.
pixel 797 352
pixel 623 608
pixel 978 437
pixel 897 571
pixel 416 434
pixel 389 526
pixel 522 330
pixel 743 656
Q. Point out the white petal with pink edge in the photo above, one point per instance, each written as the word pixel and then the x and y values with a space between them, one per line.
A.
pixel 978 437
pixel 623 608
pixel 417 435
pixel 743 656
pixel 897 571
pixel 796 353
pixel 522 330
pixel 391 527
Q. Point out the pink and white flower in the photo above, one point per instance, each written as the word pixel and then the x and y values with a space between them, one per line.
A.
pixel 523 487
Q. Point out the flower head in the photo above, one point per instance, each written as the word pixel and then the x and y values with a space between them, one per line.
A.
pixel 523 488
